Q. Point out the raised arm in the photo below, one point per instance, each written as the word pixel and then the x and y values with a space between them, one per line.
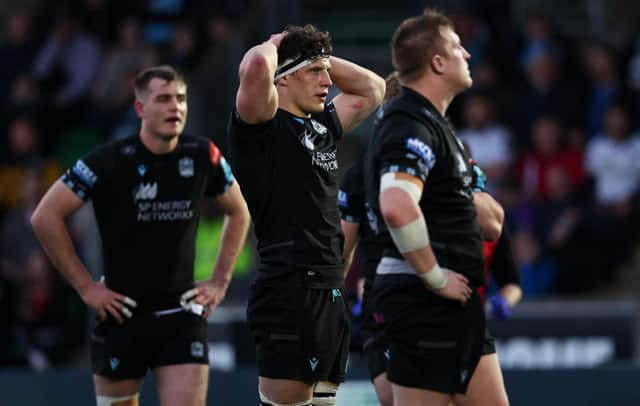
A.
pixel 362 92
pixel 234 232
pixel 48 221
pixel 257 98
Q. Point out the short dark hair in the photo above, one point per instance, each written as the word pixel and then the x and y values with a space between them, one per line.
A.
pixel 392 86
pixel 306 41
pixel 164 72
pixel 416 41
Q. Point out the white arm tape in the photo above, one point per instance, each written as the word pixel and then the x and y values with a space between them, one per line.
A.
pixel 389 180
pixel 412 236
pixel 435 277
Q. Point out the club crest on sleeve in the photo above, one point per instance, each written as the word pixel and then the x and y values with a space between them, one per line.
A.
pixel 185 167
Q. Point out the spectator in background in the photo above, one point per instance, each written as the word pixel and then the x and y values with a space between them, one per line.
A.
pixel 602 68
pixel 112 94
pixel 16 52
pixel 489 141
pixel 546 92
pixel 549 150
pixel 65 67
pixel 613 160
pixel 24 150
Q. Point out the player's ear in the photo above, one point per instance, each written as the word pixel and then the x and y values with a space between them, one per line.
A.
pixel 437 64
pixel 283 81
pixel 138 106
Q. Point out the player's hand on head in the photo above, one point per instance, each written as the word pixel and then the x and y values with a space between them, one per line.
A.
pixel 276 39
pixel 106 302
pixel 456 288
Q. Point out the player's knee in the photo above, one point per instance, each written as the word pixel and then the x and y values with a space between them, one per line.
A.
pixel 265 401
pixel 324 394
pixel 129 400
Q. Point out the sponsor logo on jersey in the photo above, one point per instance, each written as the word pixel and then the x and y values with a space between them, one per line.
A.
pixel 319 127
pixel 146 191
pixel 185 167
pixel 85 173
pixel 422 150
pixel 325 160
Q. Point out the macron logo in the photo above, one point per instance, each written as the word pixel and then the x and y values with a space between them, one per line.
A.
pixel 314 363
pixel 146 191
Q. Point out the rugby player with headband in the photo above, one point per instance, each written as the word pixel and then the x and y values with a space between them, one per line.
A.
pixel 283 136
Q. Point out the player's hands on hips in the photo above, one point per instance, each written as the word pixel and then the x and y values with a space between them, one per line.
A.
pixel 456 288
pixel 107 302
pixel 209 294
pixel 499 307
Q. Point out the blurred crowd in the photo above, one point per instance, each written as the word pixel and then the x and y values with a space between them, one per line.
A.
pixel 551 119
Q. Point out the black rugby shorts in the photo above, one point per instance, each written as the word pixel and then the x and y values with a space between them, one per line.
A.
pixel 300 333
pixel 434 343
pixel 126 351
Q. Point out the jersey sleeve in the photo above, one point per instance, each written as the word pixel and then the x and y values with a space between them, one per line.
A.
pixel 86 176
pixel 219 175
pixel 351 195
pixel 329 118
pixel 408 147
pixel 237 127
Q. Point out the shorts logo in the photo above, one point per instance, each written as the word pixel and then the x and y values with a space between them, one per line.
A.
pixel 463 375
pixel 197 349
pixel 142 169
pixel 185 167
pixel 114 362
pixel 334 294
pixel 314 363
pixel 387 354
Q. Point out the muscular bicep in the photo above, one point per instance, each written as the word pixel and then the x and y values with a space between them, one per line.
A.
pixel 59 201
pixel 257 97
pixel 231 201
pixel 352 110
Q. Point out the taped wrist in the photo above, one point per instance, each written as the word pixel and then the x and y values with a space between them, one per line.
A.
pixel 412 236
pixel 435 278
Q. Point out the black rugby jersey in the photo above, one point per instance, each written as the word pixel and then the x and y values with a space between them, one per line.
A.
pixel 288 172
pixel 147 210
pixel 414 138
pixel 351 199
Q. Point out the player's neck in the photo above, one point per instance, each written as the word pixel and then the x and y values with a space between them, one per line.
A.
pixel 286 103
pixel 157 144
pixel 438 94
